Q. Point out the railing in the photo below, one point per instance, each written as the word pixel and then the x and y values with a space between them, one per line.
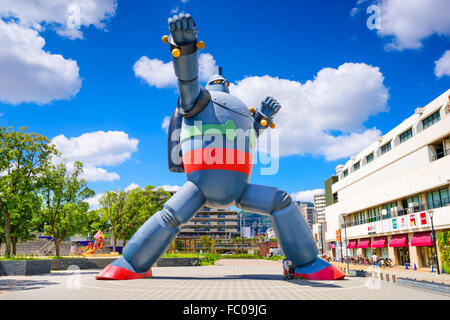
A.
pixel 441 154
pixel 400 212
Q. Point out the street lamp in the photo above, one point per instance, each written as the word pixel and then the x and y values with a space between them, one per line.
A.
pixel 346 243
pixel 433 238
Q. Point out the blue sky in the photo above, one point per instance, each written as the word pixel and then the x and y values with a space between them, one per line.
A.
pixel 341 82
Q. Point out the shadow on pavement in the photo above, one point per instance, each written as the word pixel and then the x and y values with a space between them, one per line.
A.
pixel 20 285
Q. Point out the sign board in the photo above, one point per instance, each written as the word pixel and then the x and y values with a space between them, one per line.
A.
pixel 403 222
pixel 423 219
pixel 394 224
pixel 338 235
pixel 412 220
pixel 379 227
pixel 386 225
pixel 371 228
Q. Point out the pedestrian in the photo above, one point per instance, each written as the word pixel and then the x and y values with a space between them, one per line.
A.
pixel 73 249
pixel 374 258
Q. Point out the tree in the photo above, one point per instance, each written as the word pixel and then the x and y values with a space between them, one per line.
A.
pixel 126 211
pixel 23 157
pixel 207 242
pixel 64 208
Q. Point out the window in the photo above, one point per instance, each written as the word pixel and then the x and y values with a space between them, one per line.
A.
pixel 438 198
pixel 373 214
pixel 385 148
pixel 406 135
pixel 369 158
pixel 359 218
pixel 356 166
pixel 345 173
pixel 431 119
pixel 388 208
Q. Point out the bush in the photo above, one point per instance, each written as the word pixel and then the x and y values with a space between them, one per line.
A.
pixel 241 256
pixel 275 257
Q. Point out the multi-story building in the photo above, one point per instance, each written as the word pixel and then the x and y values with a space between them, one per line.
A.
pixel 308 212
pixel 216 223
pixel 385 199
pixel 319 206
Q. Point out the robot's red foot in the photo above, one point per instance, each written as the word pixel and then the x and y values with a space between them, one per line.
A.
pixel 112 272
pixel 319 270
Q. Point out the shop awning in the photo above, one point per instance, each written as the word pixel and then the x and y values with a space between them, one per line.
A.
pixel 380 242
pixel 332 245
pixel 352 244
pixel 364 243
pixel 400 240
pixel 422 239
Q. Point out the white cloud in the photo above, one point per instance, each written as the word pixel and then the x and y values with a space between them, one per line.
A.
pixel 442 65
pixel 169 188
pixel 337 101
pixel 95 149
pixel 161 75
pixel 64 16
pixel 94 201
pixel 306 195
pixel 30 74
pixel 132 186
pixel 411 22
pixel 165 123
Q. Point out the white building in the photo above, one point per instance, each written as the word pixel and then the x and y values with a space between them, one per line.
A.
pixel 319 206
pixel 387 190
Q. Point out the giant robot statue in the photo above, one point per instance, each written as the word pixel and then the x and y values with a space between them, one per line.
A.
pixel 216 141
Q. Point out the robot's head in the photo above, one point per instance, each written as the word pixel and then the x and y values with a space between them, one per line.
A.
pixel 218 83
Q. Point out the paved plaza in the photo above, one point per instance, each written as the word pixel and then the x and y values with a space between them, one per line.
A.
pixel 228 279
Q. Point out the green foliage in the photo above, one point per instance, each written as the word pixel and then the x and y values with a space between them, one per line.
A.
pixel 23 158
pixel 443 242
pixel 64 207
pixel 241 256
pixel 126 211
pixel 209 259
pixel 207 242
pixel 275 257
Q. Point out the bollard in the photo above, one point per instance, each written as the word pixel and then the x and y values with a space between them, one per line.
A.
pixel 381 276
pixel 432 270
pixel 415 268
pixel 394 280
pixel 387 276
pixel 406 266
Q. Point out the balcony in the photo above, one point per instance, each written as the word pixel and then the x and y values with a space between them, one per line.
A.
pixel 400 212
pixel 440 154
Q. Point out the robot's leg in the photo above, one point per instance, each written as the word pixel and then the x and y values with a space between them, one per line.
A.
pixel 154 236
pixel 292 232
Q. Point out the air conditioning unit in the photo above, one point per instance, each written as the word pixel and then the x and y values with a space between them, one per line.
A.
pixel 418 110
pixel 379 139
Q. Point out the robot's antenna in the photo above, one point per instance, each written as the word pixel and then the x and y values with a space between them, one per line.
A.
pixel 219 70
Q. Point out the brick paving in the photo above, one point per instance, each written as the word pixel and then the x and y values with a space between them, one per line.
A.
pixel 228 279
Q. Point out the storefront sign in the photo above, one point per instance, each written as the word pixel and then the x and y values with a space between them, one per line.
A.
pixel 394 224
pixel 403 223
pixel 423 219
pixel 386 226
pixel 412 220
pixel 379 227
pixel 338 235
pixel 371 228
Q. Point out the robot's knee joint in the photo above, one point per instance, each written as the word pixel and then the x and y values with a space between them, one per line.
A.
pixel 282 200
pixel 169 217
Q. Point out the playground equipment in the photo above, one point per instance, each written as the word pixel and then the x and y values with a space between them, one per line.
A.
pixel 96 245
pixel 212 137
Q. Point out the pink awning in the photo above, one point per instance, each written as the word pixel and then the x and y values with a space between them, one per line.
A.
pixel 380 242
pixel 400 240
pixel 422 239
pixel 352 244
pixel 364 243
pixel 332 245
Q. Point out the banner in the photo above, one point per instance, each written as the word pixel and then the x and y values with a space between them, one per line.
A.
pixel 412 220
pixel 386 225
pixel 394 224
pixel 423 219
pixel 403 223
pixel 379 227
pixel 371 228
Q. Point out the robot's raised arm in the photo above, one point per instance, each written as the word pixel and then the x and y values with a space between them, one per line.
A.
pixel 264 114
pixel 183 46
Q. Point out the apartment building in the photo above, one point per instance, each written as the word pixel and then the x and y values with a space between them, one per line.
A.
pixel 308 212
pixel 319 206
pixel 385 199
pixel 216 223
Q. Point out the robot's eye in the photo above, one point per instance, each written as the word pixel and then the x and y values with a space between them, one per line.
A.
pixel 217 81
pixel 227 83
